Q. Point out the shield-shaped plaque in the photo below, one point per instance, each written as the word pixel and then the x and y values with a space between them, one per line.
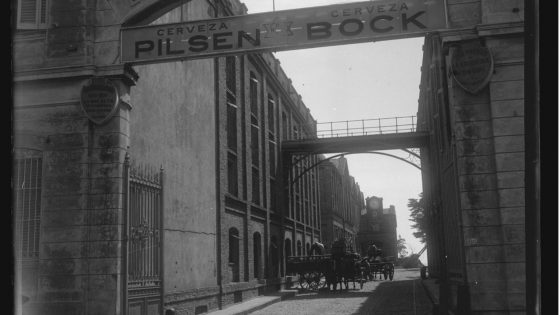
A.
pixel 99 100
pixel 472 66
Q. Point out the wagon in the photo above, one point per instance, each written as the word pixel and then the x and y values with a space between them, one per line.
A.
pixel 385 266
pixel 317 271
pixel 312 270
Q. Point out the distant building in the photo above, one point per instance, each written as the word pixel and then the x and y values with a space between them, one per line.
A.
pixel 378 225
pixel 341 202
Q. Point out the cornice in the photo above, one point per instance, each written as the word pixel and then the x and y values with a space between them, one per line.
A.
pixel 123 71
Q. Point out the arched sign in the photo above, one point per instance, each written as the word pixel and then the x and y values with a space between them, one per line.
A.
pixel 283 30
pixel 99 100
pixel 472 66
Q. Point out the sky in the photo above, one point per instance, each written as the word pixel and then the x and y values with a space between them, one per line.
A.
pixel 361 81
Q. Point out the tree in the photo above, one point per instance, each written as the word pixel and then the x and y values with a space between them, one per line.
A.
pixel 418 217
pixel 401 247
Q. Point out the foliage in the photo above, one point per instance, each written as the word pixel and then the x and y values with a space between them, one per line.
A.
pixel 411 261
pixel 401 247
pixel 417 216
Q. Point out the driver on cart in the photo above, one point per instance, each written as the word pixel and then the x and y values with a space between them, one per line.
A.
pixel 371 252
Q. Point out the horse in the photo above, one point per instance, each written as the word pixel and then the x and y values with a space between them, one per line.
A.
pixel 350 269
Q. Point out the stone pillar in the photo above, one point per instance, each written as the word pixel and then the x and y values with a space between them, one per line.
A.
pixel 81 261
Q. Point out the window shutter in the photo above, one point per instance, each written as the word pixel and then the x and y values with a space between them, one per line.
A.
pixel 27 11
pixel 32 14
pixel 43 13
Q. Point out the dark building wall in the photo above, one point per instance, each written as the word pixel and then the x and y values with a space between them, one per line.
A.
pixel 78 263
pixel 171 123
pixel 340 197
pixel 475 167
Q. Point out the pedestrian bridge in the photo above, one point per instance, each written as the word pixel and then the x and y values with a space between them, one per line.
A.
pixel 363 135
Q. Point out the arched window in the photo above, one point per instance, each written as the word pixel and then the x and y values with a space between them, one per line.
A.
pixel 234 253
pixel 298 248
pixel 287 249
pixel 274 256
pixel 256 255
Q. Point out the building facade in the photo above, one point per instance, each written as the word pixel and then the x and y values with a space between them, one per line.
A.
pixel 473 170
pixel 180 199
pixel 341 202
pixel 378 225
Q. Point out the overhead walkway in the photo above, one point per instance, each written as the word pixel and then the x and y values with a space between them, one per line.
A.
pixel 360 136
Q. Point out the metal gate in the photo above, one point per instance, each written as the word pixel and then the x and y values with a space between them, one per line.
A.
pixel 143 240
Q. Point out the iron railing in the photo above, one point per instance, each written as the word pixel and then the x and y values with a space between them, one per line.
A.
pixel 364 127
pixel 144 226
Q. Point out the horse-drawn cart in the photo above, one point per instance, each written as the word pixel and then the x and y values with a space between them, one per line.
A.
pixel 317 271
pixel 312 270
pixel 384 266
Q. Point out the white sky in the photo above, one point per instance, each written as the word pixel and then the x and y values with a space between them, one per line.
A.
pixel 361 81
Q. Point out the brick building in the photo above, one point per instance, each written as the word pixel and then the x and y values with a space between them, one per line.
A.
pixel 378 225
pixel 341 202
pixel 175 201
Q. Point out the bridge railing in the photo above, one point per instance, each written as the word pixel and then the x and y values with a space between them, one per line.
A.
pixel 364 127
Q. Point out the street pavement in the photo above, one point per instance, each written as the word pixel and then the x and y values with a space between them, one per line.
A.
pixel 404 295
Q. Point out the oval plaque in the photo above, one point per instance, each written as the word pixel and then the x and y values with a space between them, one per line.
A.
pixel 99 99
pixel 472 66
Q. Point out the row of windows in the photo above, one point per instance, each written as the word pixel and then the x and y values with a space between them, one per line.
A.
pixel 262 135
pixel 233 257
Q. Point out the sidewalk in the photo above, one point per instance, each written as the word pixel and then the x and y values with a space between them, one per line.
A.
pixel 255 304
pixel 432 289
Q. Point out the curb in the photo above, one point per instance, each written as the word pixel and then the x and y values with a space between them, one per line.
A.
pixel 248 308
pixel 283 296
pixel 432 297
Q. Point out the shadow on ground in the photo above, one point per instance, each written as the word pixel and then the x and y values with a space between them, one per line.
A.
pixel 403 297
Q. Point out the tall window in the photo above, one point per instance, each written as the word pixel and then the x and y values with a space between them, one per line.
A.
pixel 254 102
pixel 231 94
pixel 287 249
pixel 296 133
pixel 284 126
pixel 298 245
pixel 27 207
pixel 234 253
pixel 32 14
pixel 272 150
pixel 274 255
pixel 256 254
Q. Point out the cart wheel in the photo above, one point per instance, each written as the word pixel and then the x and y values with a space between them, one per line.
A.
pixel 321 280
pixel 362 280
pixel 386 271
pixel 314 279
pixel 303 281
pixel 391 272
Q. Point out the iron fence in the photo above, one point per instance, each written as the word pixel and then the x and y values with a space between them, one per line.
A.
pixel 144 237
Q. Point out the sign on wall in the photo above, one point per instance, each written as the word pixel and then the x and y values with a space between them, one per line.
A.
pixel 99 99
pixel 472 66
pixel 283 30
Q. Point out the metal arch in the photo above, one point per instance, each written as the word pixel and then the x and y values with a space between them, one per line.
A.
pixel 409 151
pixel 347 153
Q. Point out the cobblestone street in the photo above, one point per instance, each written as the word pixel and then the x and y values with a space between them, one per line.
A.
pixel 402 296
